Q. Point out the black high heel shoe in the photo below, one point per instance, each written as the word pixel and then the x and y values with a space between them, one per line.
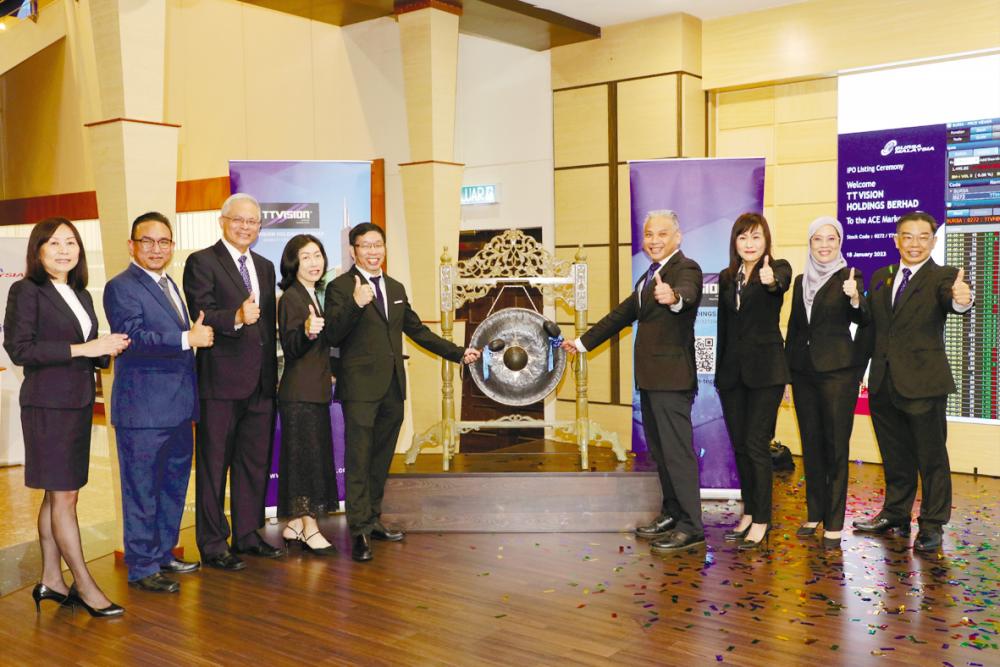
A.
pixel 42 592
pixel 765 539
pixel 328 550
pixel 110 611
pixel 736 535
pixel 289 541
pixel 806 531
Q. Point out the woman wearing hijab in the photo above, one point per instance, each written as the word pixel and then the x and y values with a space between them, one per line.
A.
pixel 827 361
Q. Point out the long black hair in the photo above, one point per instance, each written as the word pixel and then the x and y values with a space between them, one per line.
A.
pixel 290 259
pixel 40 235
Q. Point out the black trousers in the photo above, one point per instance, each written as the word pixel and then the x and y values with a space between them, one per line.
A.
pixel 912 436
pixel 666 421
pixel 824 407
pixel 234 438
pixel 371 430
pixel 750 414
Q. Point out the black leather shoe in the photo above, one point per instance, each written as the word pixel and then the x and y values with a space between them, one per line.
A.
pixel 74 599
pixel 381 532
pixel 262 550
pixel 675 541
pixel 928 541
pixel 156 583
pixel 806 531
pixel 361 550
pixel 42 592
pixel 658 527
pixel 747 545
pixel 225 561
pixel 178 566
pixel 880 525
pixel 735 535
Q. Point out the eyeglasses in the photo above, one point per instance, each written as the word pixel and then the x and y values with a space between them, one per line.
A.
pixel 371 246
pixel 243 222
pixel 907 239
pixel 147 243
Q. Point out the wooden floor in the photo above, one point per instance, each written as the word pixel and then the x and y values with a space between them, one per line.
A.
pixel 562 599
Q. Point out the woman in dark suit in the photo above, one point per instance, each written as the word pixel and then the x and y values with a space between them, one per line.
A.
pixel 307 482
pixel 750 372
pixel 50 329
pixel 827 362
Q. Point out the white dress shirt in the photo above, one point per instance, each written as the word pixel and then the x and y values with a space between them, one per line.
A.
pixel 73 301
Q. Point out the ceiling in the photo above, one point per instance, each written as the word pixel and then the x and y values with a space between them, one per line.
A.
pixel 610 12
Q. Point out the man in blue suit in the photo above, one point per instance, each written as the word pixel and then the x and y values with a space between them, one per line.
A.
pixel 153 403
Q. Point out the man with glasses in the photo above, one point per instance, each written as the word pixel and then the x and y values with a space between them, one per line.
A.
pixel 154 401
pixel 237 380
pixel 910 380
pixel 366 314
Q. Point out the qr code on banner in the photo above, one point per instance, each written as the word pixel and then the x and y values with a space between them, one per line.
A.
pixel 704 354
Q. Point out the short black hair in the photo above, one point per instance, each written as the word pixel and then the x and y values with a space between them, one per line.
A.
pixel 290 259
pixel 152 216
pixel 917 215
pixel 362 229
pixel 40 235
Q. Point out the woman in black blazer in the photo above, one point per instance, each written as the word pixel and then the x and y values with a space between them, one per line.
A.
pixel 827 361
pixel 307 482
pixel 750 372
pixel 50 329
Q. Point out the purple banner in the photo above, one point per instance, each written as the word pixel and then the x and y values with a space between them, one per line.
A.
pixel 707 195
pixel 880 176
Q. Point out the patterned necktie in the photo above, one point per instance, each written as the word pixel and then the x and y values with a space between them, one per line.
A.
pixel 653 268
pixel 378 293
pixel 245 274
pixel 902 286
pixel 165 286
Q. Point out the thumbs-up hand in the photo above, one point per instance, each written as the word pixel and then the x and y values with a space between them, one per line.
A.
pixel 363 292
pixel 249 311
pixel 960 290
pixel 314 323
pixel 663 292
pixel 766 272
pixel 200 334
pixel 851 289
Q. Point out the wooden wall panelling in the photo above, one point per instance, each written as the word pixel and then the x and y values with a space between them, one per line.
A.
pixel 648 118
pixel 582 206
pixel 693 106
pixel 580 126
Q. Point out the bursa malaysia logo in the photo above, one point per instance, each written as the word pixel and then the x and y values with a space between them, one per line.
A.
pixel 893 147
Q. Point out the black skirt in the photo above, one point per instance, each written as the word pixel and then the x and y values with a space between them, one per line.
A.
pixel 56 447
pixel 307 478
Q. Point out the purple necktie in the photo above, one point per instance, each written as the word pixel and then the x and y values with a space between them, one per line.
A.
pixel 245 274
pixel 902 286
pixel 378 294
pixel 653 268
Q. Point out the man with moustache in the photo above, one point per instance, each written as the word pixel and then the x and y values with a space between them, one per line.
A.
pixel 910 380
pixel 366 315
pixel 237 379
pixel 154 402
pixel 665 303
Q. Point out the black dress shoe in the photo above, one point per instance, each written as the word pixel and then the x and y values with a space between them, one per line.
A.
pixel 806 531
pixel 658 527
pixel 361 550
pixel 928 541
pixel 880 525
pixel 156 583
pixel 42 592
pixel 328 550
pixel 178 566
pixel 225 561
pixel 747 545
pixel 262 550
pixel 735 535
pixel 74 599
pixel 381 532
pixel 675 541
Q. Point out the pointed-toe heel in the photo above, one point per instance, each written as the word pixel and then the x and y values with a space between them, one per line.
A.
pixel 110 611
pixel 42 592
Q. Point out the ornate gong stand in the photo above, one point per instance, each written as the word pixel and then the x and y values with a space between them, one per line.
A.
pixel 514 258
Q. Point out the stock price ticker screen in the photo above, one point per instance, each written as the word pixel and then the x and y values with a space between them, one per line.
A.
pixel 972 241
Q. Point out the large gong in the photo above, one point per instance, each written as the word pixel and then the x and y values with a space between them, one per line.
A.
pixel 518 351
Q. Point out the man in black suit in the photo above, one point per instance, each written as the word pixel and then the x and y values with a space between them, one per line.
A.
pixel 237 379
pixel 665 302
pixel 366 315
pixel 910 380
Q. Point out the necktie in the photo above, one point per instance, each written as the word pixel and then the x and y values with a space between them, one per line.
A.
pixel 245 274
pixel 902 286
pixel 378 294
pixel 165 286
pixel 653 268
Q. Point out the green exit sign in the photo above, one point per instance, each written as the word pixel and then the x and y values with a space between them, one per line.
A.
pixel 473 195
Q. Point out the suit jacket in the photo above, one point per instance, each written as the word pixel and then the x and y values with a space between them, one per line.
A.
pixel 750 347
pixel 155 382
pixel 240 359
pixel 307 371
pixel 911 339
pixel 664 343
pixel 824 339
pixel 39 328
pixel 371 347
